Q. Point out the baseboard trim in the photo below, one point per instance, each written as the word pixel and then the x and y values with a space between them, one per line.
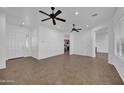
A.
pixel 50 56
pixel 15 58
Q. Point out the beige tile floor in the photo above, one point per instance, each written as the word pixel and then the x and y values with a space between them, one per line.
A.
pixel 60 70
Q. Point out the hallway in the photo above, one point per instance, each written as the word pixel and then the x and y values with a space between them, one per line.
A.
pixel 63 69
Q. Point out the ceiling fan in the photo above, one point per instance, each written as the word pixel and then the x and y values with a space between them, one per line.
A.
pixel 53 16
pixel 75 29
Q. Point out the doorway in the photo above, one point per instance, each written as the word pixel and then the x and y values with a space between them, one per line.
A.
pixel 66 45
pixel 101 42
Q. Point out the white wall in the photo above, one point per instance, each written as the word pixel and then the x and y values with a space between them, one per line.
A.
pixel 114 28
pixel 51 42
pixel 18 44
pixel 102 42
pixel 34 43
pixel 66 37
pixel 2 42
pixel 43 42
pixel 47 43
pixel 81 43
pixel 71 44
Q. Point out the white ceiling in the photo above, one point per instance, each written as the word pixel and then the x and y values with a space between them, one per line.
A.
pixel 31 17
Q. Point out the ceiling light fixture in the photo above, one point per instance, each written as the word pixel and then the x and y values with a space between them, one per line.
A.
pixel 87 25
pixel 76 13
pixel 23 23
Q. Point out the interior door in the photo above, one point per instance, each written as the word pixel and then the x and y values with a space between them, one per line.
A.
pixel 17 41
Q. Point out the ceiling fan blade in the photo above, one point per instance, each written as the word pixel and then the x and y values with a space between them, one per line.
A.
pixel 79 29
pixel 45 19
pixel 60 19
pixel 54 22
pixel 76 30
pixel 58 12
pixel 44 13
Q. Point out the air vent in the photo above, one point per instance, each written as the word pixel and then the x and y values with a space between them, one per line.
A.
pixel 95 14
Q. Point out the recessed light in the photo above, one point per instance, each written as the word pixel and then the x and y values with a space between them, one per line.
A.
pixel 87 25
pixel 76 13
pixel 23 23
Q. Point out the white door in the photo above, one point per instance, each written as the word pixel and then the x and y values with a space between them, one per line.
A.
pixel 17 44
